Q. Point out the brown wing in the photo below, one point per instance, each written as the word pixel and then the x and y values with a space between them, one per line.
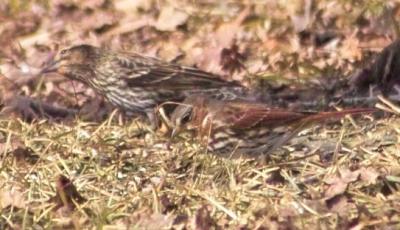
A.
pixel 147 72
pixel 247 115
pixel 243 116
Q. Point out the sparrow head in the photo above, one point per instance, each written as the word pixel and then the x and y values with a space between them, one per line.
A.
pixel 192 114
pixel 72 59
pixel 181 117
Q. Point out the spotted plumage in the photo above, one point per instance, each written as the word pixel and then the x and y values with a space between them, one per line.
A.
pixel 244 127
pixel 136 83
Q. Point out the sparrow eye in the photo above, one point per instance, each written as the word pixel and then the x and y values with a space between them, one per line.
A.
pixel 186 117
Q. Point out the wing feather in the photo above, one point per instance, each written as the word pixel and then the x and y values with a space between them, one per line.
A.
pixel 245 116
pixel 147 72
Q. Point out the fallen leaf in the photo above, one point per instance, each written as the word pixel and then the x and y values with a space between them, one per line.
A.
pixel 99 22
pixel 12 197
pixel 275 178
pixel 350 49
pixel 338 184
pixel 129 6
pixel 93 4
pixel 170 18
pixel 210 58
pixel 146 219
pixel 369 175
pixel 349 176
pixel 167 204
pixel 67 195
pixel 30 109
pixel 25 155
pixel 25 23
pixel 339 204
pixel 202 219
pixel 232 60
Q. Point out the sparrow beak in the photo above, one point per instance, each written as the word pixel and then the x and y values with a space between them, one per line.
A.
pixel 52 66
pixel 175 131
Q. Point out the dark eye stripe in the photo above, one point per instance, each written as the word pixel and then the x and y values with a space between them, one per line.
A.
pixel 186 117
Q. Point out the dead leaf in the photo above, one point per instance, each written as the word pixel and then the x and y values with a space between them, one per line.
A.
pixel 129 6
pixel 99 22
pixel 339 204
pixel 227 32
pixel 156 220
pixel 275 178
pixel 13 198
pixel 232 60
pixel 25 155
pixel 338 184
pixel 349 176
pixel 146 219
pixel 302 21
pixel 170 18
pixel 202 219
pixel 356 225
pixel 25 23
pixel 167 204
pixel 180 220
pixel 67 195
pixel 30 109
pixel 369 175
pixel 93 4
pixel 127 26
pixel 350 49
pixel 210 58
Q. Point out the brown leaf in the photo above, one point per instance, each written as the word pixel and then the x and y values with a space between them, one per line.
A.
pixel 336 188
pixel 369 175
pixel 170 18
pixel 226 33
pixel 129 7
pixel 99 21
pixel 180 220
pixel 67 195
pixel 303 21
pixel 338 184
pixel 12 197
pixel 25 155
pixel 146 219
pixel 339 204
pixel 202 219
pixel 18 73
pixel 275 178
pixel 155 221
pixel 350 49
pixel 349 176
pixel 222 38
pixel 30 109
pixel 25 23
pixel 167 204
pixel 93 4
pixel 232 60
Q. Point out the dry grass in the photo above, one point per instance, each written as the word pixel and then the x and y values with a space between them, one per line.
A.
pixel 338 176
pixel 132 178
